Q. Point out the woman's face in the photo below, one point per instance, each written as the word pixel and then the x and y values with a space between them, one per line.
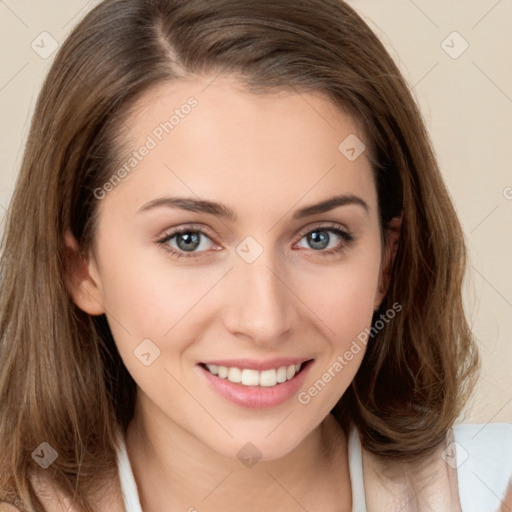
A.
pixel 274 283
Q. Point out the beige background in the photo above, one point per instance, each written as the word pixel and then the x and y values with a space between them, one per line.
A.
pixel 467 104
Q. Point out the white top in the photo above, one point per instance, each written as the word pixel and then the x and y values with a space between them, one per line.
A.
pixel 481 453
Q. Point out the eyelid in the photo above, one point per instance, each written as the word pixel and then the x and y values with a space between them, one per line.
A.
pixel 345 233
pixel 203 229
pixel 171 233
pixel 184 229
pixel 323 225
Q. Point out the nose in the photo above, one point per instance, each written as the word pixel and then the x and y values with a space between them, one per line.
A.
pixel 261 306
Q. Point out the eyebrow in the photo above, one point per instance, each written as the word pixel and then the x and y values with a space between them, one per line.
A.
pixel 221 210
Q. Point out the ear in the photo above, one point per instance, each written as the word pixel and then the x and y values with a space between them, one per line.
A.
pixel 389 254
pixel 82 277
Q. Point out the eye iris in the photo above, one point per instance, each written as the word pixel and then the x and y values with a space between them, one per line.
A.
pixel 318 237
pixel 191 240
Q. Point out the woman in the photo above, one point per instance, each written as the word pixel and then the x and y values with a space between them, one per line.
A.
pixel 226 274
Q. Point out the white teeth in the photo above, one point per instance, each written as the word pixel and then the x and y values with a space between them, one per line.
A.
pixel 248 377
pixel 268 378
pixel 281 374
pixel 213 368
pixel 235 375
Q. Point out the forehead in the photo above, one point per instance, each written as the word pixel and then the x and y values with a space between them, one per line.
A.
pixel 212 138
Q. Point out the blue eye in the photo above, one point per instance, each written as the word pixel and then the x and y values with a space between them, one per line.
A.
pixel 320 238
pixel 189 241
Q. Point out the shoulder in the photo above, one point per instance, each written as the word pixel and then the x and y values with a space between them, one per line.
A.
pixel 473 469
pixel 482 455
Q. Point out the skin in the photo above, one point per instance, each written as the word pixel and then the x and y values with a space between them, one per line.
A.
pixel 264 156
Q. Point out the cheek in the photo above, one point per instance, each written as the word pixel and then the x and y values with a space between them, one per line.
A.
pixel 347 294
pixel 344 300
pixel 343 296
pixel 145 292
pixel 148 297
pixel 149 306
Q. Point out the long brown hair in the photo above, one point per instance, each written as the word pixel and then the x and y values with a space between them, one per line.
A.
pixel 62 380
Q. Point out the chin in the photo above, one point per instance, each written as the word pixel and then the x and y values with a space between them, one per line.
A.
pixel 262 444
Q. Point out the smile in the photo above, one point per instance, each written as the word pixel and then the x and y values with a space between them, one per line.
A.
pixel 250 377
pixel 253 384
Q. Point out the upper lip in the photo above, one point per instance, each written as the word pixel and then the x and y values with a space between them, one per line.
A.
pixel 253 364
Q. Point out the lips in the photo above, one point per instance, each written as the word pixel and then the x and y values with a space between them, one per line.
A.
pixel 254 388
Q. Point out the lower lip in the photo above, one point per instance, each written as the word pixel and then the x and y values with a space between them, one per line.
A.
pixel 257 397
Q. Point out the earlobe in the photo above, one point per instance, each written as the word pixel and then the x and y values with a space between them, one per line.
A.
pixel 82 278
pixel 390 251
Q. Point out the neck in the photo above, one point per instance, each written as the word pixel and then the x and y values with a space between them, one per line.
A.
pixel 175 471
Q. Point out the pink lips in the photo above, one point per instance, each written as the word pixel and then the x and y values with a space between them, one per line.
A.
pixel 256 397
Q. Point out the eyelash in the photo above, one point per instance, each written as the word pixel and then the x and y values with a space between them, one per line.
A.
pixel 348 238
